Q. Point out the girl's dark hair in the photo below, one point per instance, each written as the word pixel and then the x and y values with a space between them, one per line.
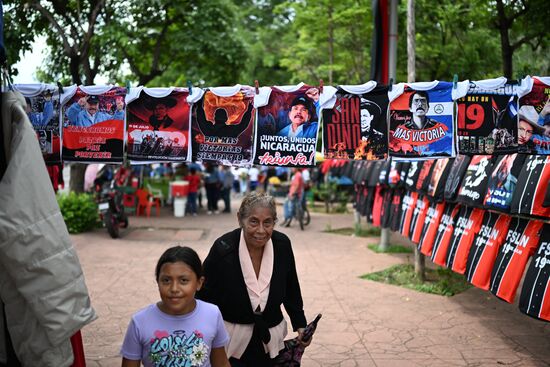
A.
pixel 184 254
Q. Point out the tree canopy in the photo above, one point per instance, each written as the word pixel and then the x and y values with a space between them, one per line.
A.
pixel 224 42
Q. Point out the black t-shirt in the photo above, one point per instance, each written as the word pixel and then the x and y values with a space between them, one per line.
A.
pixel 531 188
pixel 412 175
pixel 503 181
pixel 424 176
pixel 474 184
pixel 438 178
pixel 375 173
pixel 458 169
pixel 535 295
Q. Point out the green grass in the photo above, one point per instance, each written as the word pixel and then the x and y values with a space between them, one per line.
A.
pixel 438 281
pixel 359 232
pixel 392 249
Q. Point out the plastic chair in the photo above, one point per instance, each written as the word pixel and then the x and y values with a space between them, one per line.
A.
pixel 156 193
pixel 146 201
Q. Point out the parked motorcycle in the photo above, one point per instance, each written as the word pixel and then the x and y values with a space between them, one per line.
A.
pixel 111 209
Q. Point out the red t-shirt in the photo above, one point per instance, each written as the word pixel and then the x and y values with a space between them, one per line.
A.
pixel 194 182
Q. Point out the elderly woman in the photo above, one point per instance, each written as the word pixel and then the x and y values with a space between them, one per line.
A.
pixel 250 272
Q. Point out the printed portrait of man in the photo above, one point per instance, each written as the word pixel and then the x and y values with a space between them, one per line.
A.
pixel 419 103
pixel 527 126
pixel 370 112
pixel 86 112
pixel 300 114
pixel 160 118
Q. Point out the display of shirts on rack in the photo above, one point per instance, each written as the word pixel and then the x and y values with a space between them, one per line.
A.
pixel 43 109
pixel 354 121
pixel 93 123
pixel 534 115
pixel 158 125
pixel 222 123
pixel 288 122
pixel 422 119
pixel 486 118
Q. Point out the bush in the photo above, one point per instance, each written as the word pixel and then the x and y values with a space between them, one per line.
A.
pixel 79 212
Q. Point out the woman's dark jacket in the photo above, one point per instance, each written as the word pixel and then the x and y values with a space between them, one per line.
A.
pixel 226 288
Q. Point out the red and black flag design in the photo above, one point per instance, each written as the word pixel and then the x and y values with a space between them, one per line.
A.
pixel 467 225
pixel 485 248
pixel 431 226
pixel 444 234
pixel 531 188
pixel 521 241
pixel 407 208
pixel 535 294
pixel 417 221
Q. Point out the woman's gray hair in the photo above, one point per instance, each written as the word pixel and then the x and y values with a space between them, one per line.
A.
pixel 254 200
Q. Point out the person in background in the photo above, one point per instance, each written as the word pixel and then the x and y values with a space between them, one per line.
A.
pixel 243 180
pixel 296 190
pixel 249 273
pixel 194 183
pixel 197 326
pixel 253 178
pixel 212 185
pixel 227 179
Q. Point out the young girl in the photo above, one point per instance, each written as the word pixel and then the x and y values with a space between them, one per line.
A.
pixel 178 330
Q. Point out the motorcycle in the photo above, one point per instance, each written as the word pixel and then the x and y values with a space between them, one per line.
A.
pixel 110 207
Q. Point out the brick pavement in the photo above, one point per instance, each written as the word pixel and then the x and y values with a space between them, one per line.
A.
pixel 364 323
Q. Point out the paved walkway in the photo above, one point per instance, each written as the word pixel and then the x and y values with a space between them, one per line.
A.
pixel 364 323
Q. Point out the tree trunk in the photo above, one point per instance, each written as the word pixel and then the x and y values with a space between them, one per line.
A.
pixel 76 183
pixel 384 240
pixel 419 260
pixel 330 44
pixel 506 49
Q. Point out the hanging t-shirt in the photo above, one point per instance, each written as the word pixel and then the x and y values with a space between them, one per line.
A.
pixel 534 115
pixel 456 174
pixel 421 119
pixel 394 175
pixel 43 111
pixel 407 209
pixel 535 294
pixel 423 179
pixel 287 125
pixel 533 181
pixel 467 225
pixel 521 242
pixel 436 184
pixel 474 185
pixel 377 205
pixel 93 123
pixel 222 122
pixel 159 339
pixel 431 226
pixel 546 202
pixel 502 182
pixel 375 173
pixel 486 118
pixel 417 221
pixel 354 120
pixel 412 175
pixel 485 248
pixel 444 234
pixel 158 124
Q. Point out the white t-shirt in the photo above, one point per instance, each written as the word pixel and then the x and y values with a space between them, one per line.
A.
pixel 253 173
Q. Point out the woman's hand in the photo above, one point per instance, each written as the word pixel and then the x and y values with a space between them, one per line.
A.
pixel 300 335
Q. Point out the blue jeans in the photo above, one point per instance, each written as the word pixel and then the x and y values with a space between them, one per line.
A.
pixel 192 202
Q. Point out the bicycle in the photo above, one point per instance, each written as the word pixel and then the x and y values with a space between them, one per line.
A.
pixel 300 212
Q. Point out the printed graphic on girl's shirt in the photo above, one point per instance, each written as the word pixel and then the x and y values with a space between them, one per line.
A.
pixel 178 349
pixel 222 128
pixel 93 126
pixel 158 128
pixel 421 123
pixel 486 120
